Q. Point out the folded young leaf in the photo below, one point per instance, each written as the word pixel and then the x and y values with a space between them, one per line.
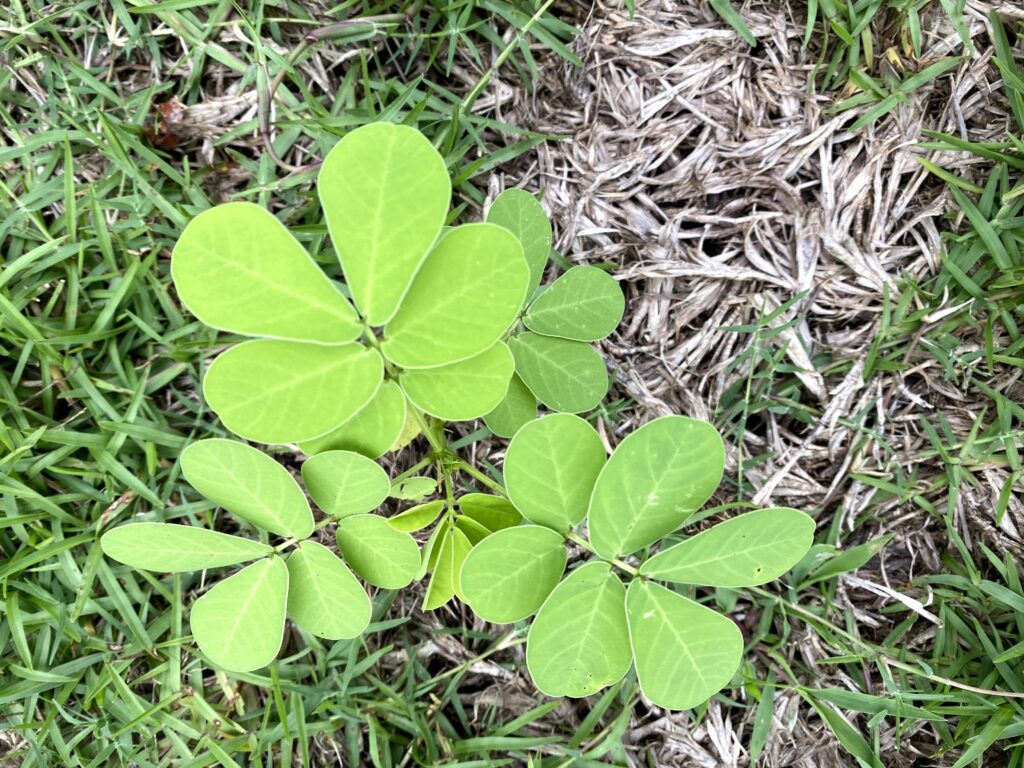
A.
pixel 521 214
pixel 747 550
pixel 385 193
pixel 177 548
pixel 248 484
pixel 465 296
pixel 518 407
pixel 345 483
pixel 417 518
pixel 492 512
pixel 237 268
pixel 551 466
pixel 684 653
pixel 372 431
pixel 413 488
pixel 452 550
pixel 565 375
pixel 656 478
pixel 579 642
pixel 380 554
pixel 461 391
pixel 324 598
pixel 473 530
pixel 285 391
pixel 239 623
pixel 509 574
pixel 585 304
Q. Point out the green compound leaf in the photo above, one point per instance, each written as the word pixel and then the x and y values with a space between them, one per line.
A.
pixel 463 299
pixel 585 304
pixel 518 407
pixel 377 552
pixel 285 391
pixel 177 548
pixel 344 483
pixel 656 478
pixel 324 598
pixel 372 431
pixel 493 513
pixel 452 551
pixel 461 391
pixel 550 469
pixel 565 375
pixel 509 574
pixel 521 214
pixel 239 623
pixel 248 484
pixel 579 642
pixel 417 518
pixel 385 193
pixel 237 268
pixel 684 653
pixel 748 550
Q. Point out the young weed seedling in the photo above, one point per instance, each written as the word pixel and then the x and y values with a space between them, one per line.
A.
pixel 444 324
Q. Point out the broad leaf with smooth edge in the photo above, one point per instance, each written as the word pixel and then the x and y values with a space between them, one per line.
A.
pixel 452 551
pixel 239 623
pixel 237 268
pixel 684 653
pixel 521 214
pixel 465 296
pixel 509 574
pixel 492 512
pixel 655 479
pixel 345 483
pixel 324 598
pixel 747 550
pixel 551 466
pixel 372 431
pixel 285 391
pixel 377 552
pixel 461 391
pixel 385 193
pixel 565 375
pixel 417 518
pixel 248 484
pixel 169 548
pixel 579 641
pixel 585 304
pixel 518 407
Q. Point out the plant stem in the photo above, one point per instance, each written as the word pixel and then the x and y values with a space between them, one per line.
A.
pixel 480 477
pixel 577 539
pixel 414 468
pixel 319 526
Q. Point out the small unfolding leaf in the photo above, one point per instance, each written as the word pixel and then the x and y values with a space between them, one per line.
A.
pixel 385 193
pixel 372 431
pixel 377 552
pixel 551 466
pixel 461 391
pixel 492 512
pixel 417 518
pixel 237 268
pixel 474 531
pixel 847 560
pixel 285 391
pixel 345 483
pixel 452 550
pixel 579 641
pixel 177 548
pixel 465 296
pixel 585 304
pixel 565 375
pixel 747 550
pixel 656 478
pixel 515 409
pixel 324 598
pixel 509 574
pixel 521 214
pixel 248 484
pixel 684 653
pixel 239 623
pixel 413 488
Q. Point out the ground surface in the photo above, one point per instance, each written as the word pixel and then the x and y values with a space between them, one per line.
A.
pixel 810 287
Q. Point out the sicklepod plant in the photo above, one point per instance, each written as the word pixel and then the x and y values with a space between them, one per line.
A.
pixel 434 324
